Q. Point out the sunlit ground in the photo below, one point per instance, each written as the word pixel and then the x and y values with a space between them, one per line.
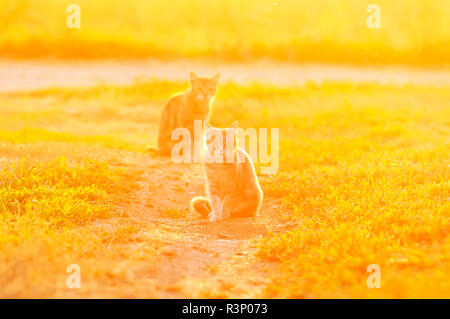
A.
pixel 363 179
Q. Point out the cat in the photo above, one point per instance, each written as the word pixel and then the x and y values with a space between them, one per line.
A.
pixel 232 185
pixel 184 108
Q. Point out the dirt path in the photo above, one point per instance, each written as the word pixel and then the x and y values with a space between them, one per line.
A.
pixel 28 75
pixel 197 258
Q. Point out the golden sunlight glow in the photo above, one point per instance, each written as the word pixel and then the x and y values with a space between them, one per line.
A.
pixel 364 171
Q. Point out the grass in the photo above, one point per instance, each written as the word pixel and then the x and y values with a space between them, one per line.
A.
pixel 47 215
pixel 364 177
pixel 412 32
pixel 56 192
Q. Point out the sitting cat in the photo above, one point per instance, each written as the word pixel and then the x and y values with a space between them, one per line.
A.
pixel 232 185
pixel 183 109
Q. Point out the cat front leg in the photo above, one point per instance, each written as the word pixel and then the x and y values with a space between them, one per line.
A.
pixel 216 213
pixel 227 206
pixel 212 217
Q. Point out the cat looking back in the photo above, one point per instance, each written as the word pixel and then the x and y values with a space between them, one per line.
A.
pixel 184 108
pixel 232 186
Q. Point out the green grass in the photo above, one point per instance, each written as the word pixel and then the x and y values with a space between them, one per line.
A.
pixel 57 192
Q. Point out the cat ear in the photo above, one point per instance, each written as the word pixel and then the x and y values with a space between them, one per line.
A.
pixel 216 77
pixel 194 77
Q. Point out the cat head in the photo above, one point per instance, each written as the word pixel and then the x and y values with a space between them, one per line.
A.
pixel 219 141
pixel 203 89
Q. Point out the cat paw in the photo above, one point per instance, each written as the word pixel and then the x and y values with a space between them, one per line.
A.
pixel 212 217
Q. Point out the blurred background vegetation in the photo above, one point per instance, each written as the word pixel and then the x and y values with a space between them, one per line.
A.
pixel 412 31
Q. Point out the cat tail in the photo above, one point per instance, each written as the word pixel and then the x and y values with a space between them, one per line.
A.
pixel 201 205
